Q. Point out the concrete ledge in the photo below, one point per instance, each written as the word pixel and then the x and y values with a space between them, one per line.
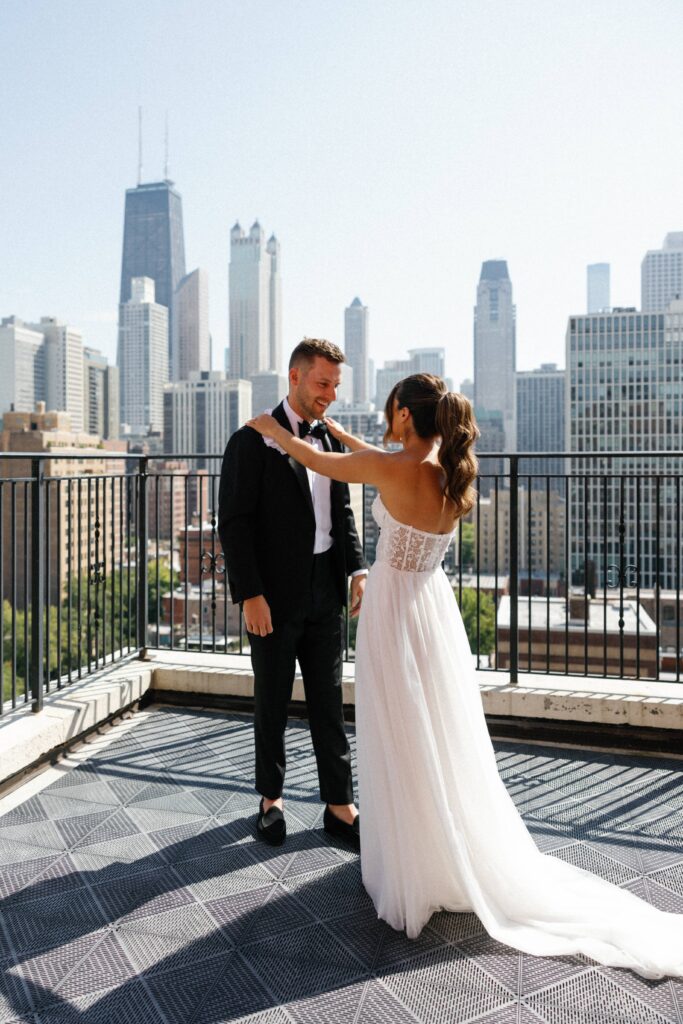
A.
pixel 222 675
pixel 595 706
pixel 655 705
pixel 651 705
pixel 26 739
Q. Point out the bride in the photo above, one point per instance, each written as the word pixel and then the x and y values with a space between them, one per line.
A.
pixel 438 829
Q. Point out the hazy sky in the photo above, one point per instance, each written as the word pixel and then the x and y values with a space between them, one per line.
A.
pixel 391 146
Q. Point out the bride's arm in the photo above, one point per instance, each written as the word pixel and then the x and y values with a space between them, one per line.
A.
pixel 353 443
pixel 368 466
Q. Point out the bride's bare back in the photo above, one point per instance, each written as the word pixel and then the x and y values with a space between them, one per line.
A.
pixel 412 492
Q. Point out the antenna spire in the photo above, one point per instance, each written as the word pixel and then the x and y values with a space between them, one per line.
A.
pixel 166 150
pixel 139 145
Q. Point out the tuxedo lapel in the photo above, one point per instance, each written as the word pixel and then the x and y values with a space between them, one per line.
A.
pixel 299 471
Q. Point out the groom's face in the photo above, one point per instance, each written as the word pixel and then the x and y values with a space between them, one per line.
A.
pixel 312 388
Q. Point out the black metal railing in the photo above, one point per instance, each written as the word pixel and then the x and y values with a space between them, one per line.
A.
pixel 106 555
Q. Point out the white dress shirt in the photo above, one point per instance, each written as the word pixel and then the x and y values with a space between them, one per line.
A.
pixel 320 489
pixel 320 492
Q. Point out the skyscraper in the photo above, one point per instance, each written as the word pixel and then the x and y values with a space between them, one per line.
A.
pixel 255 313
pixel 153 244
pixel 191 346
pixel 100 395
pixel 268 388
pixel 63 346
pixel 143 358
pixel 428 360
pixel 661 274
pixel 597 287
pixel 494 347
pixel 201 413
pixel 625 393
pixel 356 347
pixel 22 355
pixel 540 419
pixel 275 298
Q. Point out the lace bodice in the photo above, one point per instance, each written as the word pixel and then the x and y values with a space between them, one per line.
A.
pixel 404 547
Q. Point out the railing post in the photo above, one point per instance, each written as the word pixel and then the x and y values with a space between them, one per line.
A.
pixel 37 584
pixel 514 569
pixel 142 566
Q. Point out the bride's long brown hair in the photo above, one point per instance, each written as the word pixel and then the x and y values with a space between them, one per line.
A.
pixel 438 412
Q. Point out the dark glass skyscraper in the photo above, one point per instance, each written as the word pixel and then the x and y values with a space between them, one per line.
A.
pixel 153 244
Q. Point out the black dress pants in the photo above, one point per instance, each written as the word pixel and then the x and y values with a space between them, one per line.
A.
pixel 313 635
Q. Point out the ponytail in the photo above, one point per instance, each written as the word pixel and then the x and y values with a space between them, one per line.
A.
pixel 456 426
pixel 438 412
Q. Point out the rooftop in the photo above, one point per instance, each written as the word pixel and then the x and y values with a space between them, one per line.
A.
pixel 132 889
pixel 603 616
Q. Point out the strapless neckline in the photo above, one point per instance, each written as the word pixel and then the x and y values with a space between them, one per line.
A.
pixel 407 526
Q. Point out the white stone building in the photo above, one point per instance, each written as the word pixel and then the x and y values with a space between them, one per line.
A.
pixel 661 274
pixel 143 359
pixel 191 339
pixel 255 305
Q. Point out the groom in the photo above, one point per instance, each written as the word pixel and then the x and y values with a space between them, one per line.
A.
pixel 290 542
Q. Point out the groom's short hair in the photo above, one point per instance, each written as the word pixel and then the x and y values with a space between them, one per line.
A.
pixel 306 351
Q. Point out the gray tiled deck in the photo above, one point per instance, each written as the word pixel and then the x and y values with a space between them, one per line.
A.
pixel 132 890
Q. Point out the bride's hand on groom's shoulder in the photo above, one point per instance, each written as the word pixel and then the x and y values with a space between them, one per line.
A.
pixel 335 428
pixel 264 424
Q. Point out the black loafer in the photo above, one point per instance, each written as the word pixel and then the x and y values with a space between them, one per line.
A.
pixel 271 825
pixel 334 826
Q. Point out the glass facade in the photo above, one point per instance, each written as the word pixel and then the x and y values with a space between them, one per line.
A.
pixel 153 243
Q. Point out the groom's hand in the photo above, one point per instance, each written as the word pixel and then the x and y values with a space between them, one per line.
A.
pixel 256 611
pixel 357 589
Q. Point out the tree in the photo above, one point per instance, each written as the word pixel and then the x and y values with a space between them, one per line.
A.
pixel 482 607
pixel 82 630
pixel 168 581
pixel 466 544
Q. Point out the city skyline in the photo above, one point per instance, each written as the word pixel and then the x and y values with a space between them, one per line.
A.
pixel 526 161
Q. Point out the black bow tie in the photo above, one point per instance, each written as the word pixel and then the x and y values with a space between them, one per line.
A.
pixel 319 430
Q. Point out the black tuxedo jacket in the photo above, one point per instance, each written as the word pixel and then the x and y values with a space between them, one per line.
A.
pixel 267 526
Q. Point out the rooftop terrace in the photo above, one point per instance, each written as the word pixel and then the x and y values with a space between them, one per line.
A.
pixel 132 888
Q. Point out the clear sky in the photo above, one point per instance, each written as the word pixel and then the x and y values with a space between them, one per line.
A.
pixel 391 145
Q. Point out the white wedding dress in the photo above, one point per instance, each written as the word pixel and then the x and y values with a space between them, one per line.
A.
pixel 438 829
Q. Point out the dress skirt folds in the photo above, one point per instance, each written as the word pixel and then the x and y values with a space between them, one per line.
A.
pixel 438 828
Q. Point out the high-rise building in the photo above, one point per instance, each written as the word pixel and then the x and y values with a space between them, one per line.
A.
pixel 540 420
pixel 63 368
pixel 345 392
pixel 255 314
pixel 153 244
pixel 428 360
pixel 494 347
pixel 661 274
pixel 201 413
pixel 421 360
pixel 191 346
pixel 356 348
pixel 143 358
pixel 625 394
pixel 597 288
pixel 101 410
pixel 71 511
pixel 541 538
pixel 267 389
pixel 467 388
pixel 275 297
pixel 388 376
pixel 490 443
pixel 22 356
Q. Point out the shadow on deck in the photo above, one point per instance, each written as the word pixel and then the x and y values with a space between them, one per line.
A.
pixel 133 889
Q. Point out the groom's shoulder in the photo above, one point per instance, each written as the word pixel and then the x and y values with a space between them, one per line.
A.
pixel 246 440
